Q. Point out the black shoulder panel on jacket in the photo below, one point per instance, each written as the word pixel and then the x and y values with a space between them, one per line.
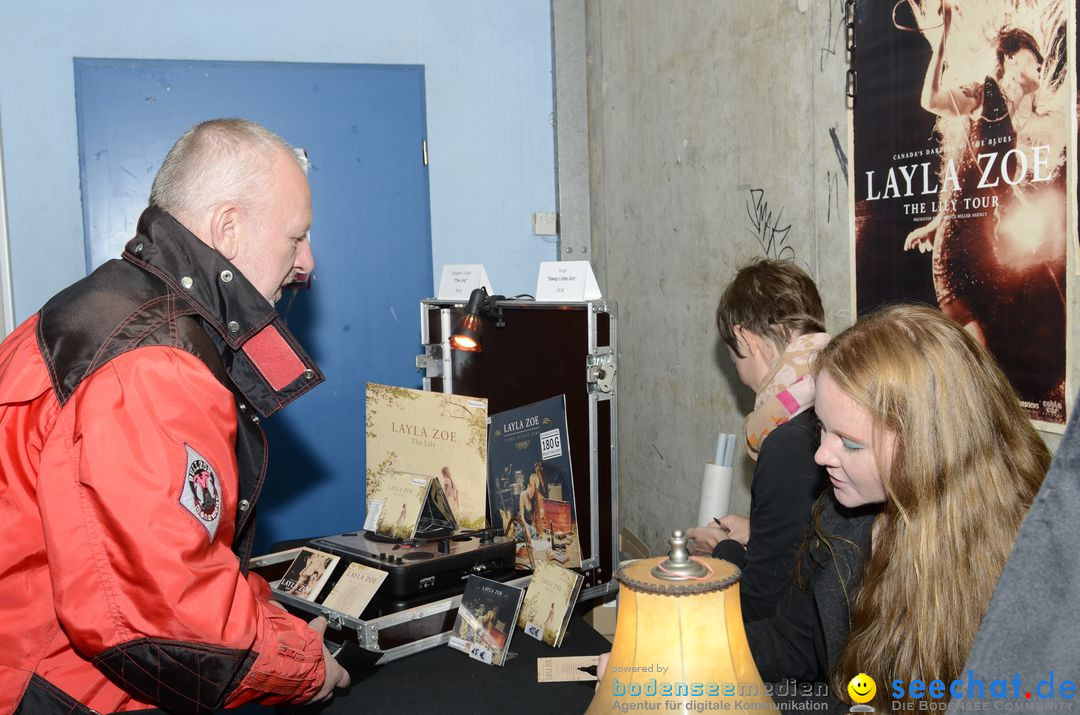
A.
pixel 115 309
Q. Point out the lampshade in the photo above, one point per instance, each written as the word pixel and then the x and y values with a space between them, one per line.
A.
pixel 679 638
pixel 466 334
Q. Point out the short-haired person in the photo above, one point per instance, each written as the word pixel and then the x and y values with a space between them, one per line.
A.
pixel 771 318
pixel 132 455
pixel 932 465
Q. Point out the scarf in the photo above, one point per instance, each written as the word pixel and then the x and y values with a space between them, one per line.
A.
pixel 788 390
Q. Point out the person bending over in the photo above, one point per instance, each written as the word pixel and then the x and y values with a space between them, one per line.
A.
pixel 771 318
pixel 132 455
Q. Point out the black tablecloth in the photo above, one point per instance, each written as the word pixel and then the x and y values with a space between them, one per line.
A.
pixel 445 680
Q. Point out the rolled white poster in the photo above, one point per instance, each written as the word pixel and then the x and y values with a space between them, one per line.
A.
pixel 715 493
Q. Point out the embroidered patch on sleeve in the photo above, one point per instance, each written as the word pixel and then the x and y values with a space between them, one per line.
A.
pixel 202 492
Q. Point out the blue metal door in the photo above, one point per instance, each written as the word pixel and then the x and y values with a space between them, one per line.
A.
pixel 363 127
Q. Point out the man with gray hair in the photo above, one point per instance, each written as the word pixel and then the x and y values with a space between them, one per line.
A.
pixel 132 456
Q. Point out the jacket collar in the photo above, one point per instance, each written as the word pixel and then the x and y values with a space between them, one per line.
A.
pixel 261 356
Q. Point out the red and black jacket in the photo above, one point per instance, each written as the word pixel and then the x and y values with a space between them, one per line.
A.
pixel 130 465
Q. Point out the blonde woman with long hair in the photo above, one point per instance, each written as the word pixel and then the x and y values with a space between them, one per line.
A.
pixel 932 465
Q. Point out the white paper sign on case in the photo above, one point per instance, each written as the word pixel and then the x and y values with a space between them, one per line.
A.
pixel 460 279
pixel 566 281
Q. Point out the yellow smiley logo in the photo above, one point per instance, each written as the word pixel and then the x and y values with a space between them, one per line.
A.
pixel 862 688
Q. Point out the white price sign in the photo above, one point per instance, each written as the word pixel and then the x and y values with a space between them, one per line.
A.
pixel 566 281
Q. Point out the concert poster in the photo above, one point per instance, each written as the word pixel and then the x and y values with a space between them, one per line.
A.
pixel 962 140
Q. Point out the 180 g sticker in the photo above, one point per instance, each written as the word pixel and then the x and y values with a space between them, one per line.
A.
pixel 550 444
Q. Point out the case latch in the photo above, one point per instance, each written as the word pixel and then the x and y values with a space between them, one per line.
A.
pixel 431 361
pixel 600 371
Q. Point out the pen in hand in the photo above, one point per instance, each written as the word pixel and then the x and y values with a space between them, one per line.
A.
pixel 723 528
pixel 590 670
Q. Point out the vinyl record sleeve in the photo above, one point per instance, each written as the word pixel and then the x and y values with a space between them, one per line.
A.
pixel 430 433
pixel 529 468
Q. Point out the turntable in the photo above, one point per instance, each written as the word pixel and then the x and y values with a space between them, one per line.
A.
pixel 421 570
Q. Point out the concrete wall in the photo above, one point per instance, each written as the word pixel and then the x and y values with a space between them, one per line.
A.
pixel 489 103
pixel 711 128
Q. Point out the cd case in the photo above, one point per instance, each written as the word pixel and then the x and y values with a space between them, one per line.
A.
pixel 486 619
